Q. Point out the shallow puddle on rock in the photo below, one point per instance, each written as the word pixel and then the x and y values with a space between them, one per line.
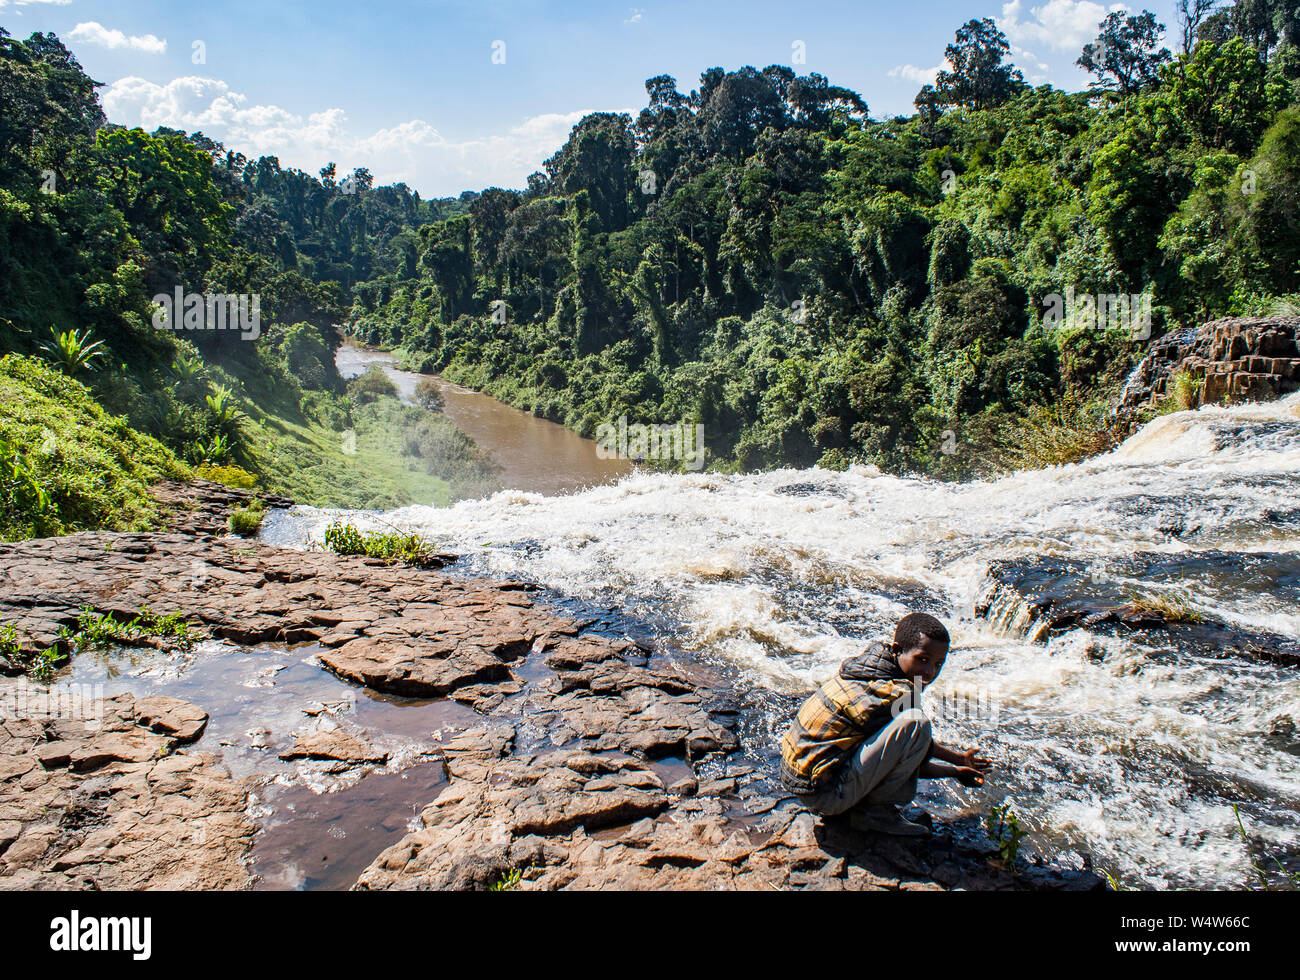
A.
pixel 414 718
pixel 322 841
pixel 258 698
pixel 672 768
pixel 321 821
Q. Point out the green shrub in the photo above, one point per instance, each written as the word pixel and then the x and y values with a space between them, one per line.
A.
pixel 392 547
pixel 446 452
pixel 507 882
pixel 9 648
pixel 99 630
pixel 40 665
pixel 247 521
pixel 72 352
pixel 1172 607
pixel 228 476
pixel 371 386
pixel 1005 830
pixel 1182 394
pixel 1005 441
pixel 428 395
pixel 307 357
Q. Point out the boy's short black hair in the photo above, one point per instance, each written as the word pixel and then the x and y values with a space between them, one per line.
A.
pixel 913 626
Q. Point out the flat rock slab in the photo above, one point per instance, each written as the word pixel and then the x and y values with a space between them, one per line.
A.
pixel 594 813
pixel 178 719
pixel 106 802
pixel 334 745
pixel 395 629
pixel 576 820
pixel 203 507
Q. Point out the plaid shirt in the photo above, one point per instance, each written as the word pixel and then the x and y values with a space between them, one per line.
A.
pixel 843 713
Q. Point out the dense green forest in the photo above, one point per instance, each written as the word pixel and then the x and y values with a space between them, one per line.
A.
pixel 816 286
pixel 759 255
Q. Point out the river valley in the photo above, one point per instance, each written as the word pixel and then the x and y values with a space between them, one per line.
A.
pixel 529 452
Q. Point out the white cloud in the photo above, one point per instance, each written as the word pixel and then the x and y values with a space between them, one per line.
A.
pixel 1062 25
pixel 1036 71
pixel 411 134
pixel 28 3
pixel 412 151
pixel 93 32
pixel 637 14
pixel 921 76
pixel 193 102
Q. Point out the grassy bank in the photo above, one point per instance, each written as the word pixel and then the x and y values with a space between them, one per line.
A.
pixel 373 463
pixel 65 463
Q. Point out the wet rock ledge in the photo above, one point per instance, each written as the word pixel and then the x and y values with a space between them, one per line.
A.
pixel 597 764
pixel 1040 597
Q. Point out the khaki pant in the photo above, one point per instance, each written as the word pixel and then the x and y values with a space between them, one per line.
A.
pixel 881 770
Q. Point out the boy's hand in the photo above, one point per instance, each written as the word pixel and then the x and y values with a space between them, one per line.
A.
pixel 970 758
pixel 969 776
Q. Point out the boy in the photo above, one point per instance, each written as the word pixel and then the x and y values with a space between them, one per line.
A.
pixel 859 744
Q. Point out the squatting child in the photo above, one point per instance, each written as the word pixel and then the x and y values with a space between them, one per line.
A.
pixel 860 743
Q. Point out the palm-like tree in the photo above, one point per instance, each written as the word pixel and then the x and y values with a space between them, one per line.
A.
pixel 187 366
pixel 72 352
pixel 219 403
pixel 214 451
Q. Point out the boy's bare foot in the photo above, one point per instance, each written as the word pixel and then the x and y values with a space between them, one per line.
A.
pixel 884 819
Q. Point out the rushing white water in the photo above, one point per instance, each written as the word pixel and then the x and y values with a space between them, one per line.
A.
pixel 1133 751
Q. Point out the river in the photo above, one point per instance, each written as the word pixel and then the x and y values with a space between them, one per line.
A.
pixel 1125 747
pixel 531 454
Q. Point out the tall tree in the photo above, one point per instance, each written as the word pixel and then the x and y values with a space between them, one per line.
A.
pixel 1191 15
pixel 1263 24
pixel 744 103
pixel 597 158
pixel 980 78
pixel 1124 55
pixel 490 213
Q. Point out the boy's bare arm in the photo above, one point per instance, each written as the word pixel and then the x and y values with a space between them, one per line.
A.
pixel 966 767
pixel 966 775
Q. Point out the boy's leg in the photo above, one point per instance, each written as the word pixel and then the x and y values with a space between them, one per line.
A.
pixel 883 769
pixel 900 785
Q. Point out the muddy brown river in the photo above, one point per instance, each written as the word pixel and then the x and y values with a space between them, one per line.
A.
pixel 533 454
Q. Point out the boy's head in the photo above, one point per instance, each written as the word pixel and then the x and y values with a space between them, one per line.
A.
pixel 921 646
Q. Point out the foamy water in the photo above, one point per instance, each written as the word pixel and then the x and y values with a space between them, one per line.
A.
pixel 1130 750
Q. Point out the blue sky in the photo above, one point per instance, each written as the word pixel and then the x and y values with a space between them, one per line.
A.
pixel 410 89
